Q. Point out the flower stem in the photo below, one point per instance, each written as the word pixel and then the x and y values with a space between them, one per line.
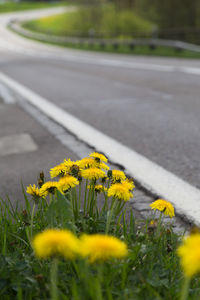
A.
pixel 99 295
pixel 159 224
pixel 75 203
pixel 32 217
pixel 120 207
pixel 50 198
pixel 185 289
pixel 92 200
pixel 105 207
pixel 110 214
pixel 85 198
pixel 54 279
pixel 79 197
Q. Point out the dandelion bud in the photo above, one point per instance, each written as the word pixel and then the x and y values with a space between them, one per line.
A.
pixel 109 174
pixel 152 226
pixel 41 179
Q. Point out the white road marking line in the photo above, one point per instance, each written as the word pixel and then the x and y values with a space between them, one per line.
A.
pixel 185 197
pixel 111 62
pixel 190 70
pixel 124 64
pixel 135 65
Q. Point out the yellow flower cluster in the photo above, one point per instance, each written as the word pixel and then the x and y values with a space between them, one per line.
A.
pixel 90 168
pixel 163 206
pixel 54 242
pixel 93 168
pixel 189 253
pixel 121 186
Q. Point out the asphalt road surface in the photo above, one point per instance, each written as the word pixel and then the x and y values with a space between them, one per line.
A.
pixel 151 105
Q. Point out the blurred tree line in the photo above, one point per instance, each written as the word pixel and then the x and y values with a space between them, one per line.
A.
pixel 175 19
pixel 168 19
pixel 171 13
pixel 166 14
pixel 172 19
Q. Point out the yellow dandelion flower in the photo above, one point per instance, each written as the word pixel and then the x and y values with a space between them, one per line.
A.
pixel 164 206
pixel 99 156
pixel 98 188
pixel 189 253
pixel 59 170
pixel 49 187
pixel 128 183
pixel 71 168
pixel 99 247
pixel 54 242
pixel 118 175
pixel 66 183
pixel 68 163
pixel 35 191
pixel 87 162
pixel 103 166
pixel 93 173
pixel 119 191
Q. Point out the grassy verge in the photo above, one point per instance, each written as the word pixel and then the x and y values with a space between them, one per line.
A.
pixel 72 24
pixel 10 6
pixel 130 259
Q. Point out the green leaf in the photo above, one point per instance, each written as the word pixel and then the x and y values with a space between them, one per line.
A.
pixel 60 212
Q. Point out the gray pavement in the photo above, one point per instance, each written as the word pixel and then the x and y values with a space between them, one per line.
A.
pixel 26 148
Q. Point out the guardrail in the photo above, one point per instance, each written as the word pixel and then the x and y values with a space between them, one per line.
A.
pixel 115 43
